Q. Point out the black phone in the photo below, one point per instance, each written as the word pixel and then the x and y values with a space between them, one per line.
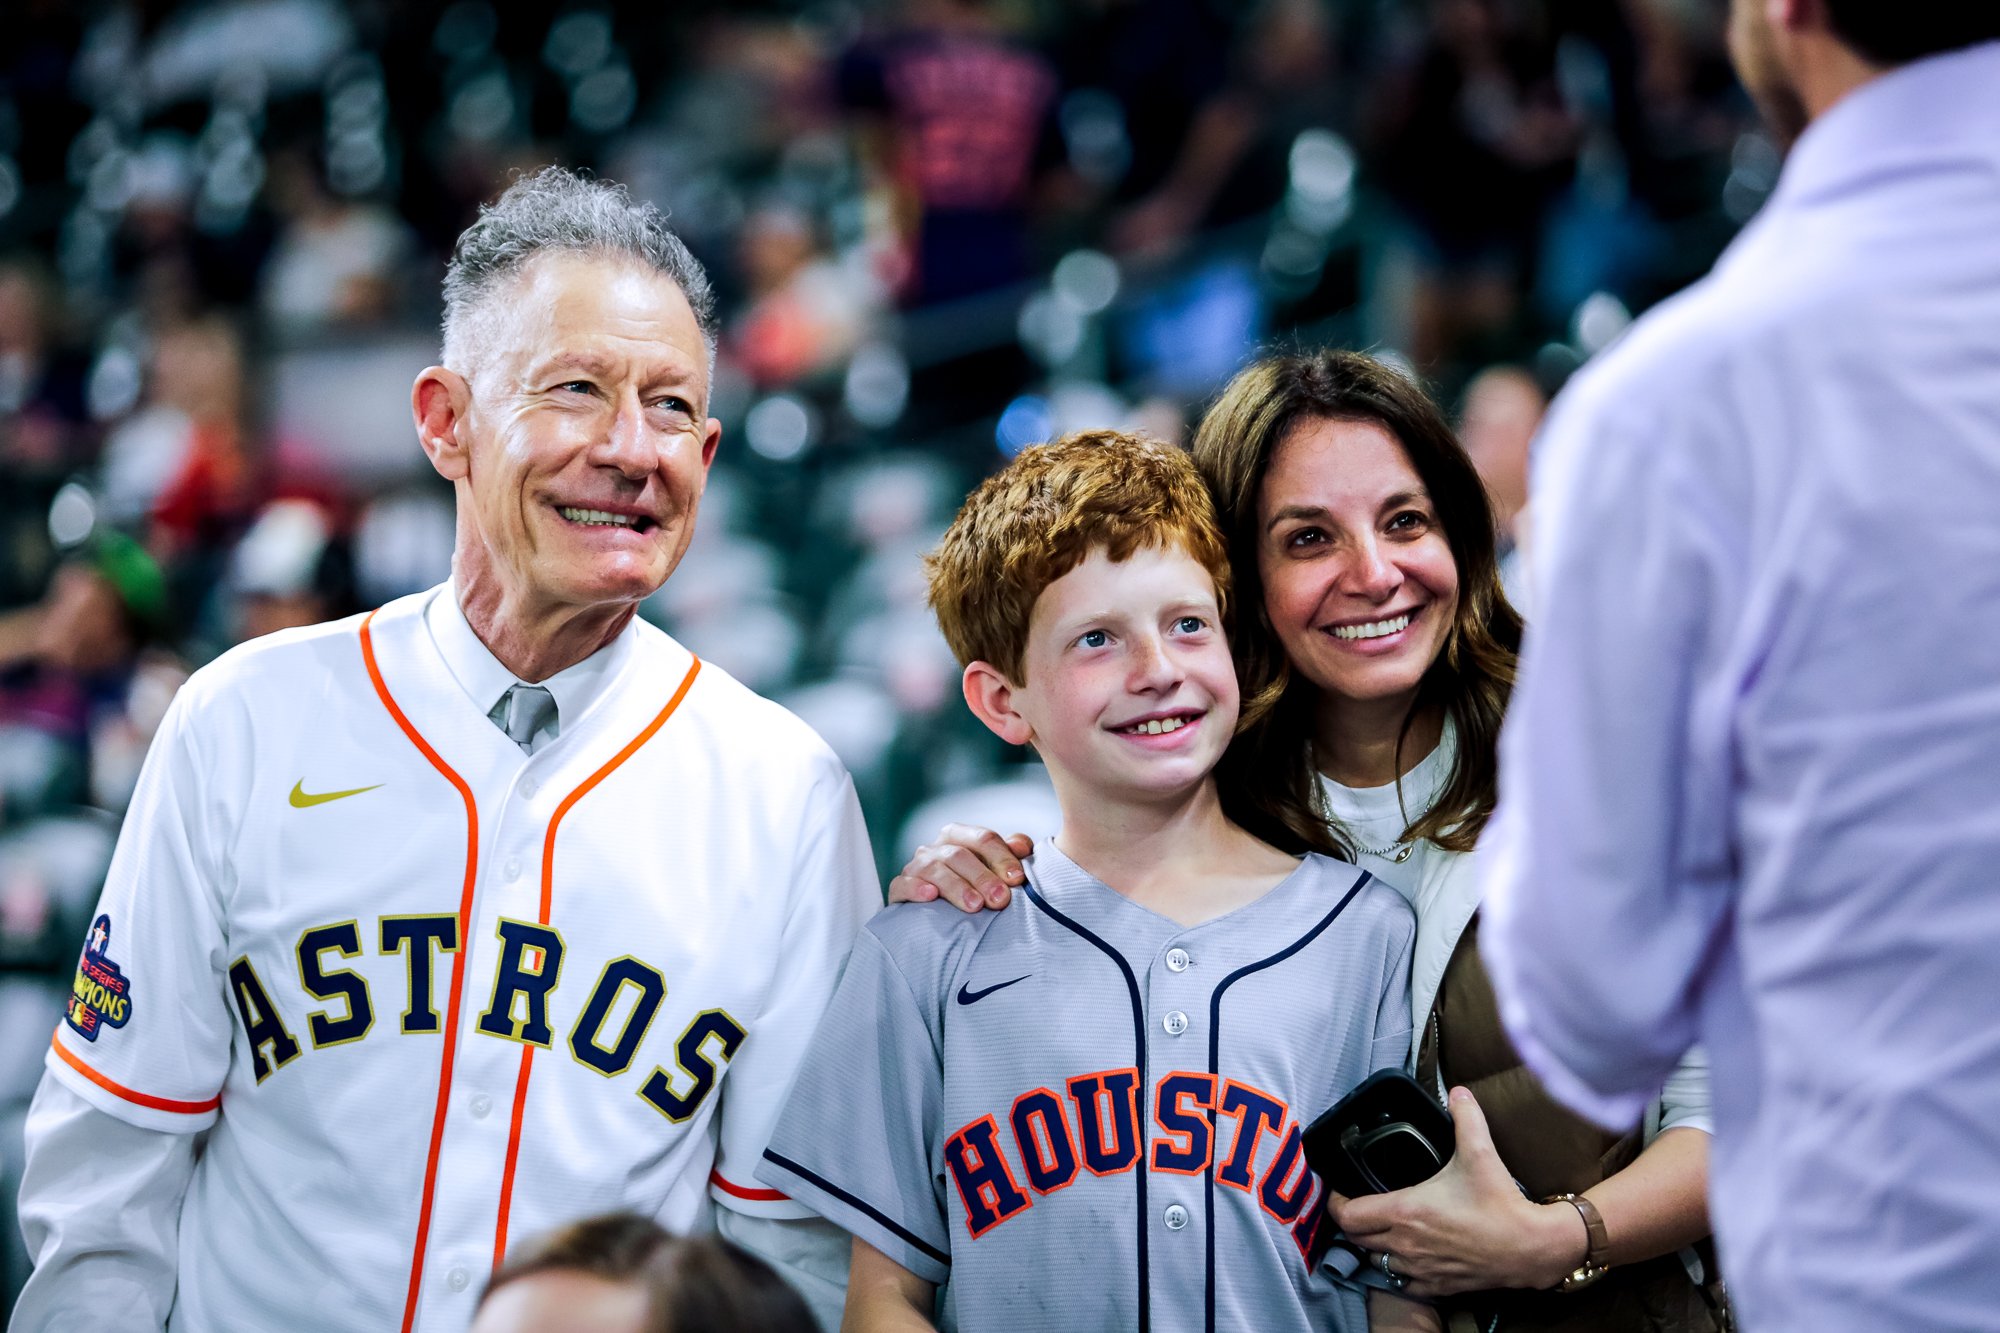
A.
pixel 1387 1134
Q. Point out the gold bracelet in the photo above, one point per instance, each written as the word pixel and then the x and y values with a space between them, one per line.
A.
pixel 1593 1266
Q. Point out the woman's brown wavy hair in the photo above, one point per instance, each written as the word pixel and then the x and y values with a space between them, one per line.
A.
pixel 1268 779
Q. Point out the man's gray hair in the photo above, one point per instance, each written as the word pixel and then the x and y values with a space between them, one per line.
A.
pixel 556 209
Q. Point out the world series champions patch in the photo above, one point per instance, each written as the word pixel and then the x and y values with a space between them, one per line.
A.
pixel 102 993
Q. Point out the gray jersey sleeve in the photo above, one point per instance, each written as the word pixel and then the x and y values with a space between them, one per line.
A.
pixel 854 1141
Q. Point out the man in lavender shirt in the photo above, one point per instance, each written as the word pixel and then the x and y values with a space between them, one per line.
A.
pixel 1750 786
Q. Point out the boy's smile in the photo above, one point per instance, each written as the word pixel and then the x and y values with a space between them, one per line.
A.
pixel 1130 692
pixel 1173 726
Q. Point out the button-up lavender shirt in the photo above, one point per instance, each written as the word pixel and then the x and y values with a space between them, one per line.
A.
pixel 1750 783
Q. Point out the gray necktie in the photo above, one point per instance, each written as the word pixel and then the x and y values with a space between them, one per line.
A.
pixel 525 710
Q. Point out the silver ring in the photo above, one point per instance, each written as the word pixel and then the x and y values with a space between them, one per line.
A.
pixel 1396 1280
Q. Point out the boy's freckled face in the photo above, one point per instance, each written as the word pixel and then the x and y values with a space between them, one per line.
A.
pixel 1130 686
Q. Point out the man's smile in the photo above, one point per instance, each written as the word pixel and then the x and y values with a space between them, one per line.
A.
pixel 605 518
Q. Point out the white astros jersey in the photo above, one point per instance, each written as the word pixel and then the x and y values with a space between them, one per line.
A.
pixel 1081 1115
pixel 445 994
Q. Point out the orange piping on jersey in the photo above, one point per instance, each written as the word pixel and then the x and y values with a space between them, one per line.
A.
pixel 457 965
pixel 120 1090
pixel 548 890
pixel 731 1187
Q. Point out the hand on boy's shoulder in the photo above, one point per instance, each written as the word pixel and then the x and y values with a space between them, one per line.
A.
pixel 932 946
pixel 970 867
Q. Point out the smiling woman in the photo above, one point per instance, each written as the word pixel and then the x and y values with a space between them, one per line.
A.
pixel 1364 547
pixel 1360 585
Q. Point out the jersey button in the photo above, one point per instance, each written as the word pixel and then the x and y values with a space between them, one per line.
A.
pixel 1175 1022
pixel 458 1279
pixel 1177 1217
pixel 481 1105
pixel 528 787
pixel 1178 960
pixel 513 868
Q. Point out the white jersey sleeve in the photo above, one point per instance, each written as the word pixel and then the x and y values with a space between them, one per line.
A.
pixel 100 1212
pixel 810 1253
pixel 833 890
pixel 146 1033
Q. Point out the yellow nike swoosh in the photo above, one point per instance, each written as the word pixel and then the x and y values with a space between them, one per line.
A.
pixel 301 799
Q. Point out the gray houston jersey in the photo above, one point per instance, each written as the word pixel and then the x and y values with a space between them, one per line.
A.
pixel 1086 1116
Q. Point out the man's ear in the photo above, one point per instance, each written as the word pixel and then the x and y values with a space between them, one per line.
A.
pixel 710 440
pixel 990 696
pixel 440 401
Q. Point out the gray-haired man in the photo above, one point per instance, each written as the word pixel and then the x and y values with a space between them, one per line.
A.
pixel 482 913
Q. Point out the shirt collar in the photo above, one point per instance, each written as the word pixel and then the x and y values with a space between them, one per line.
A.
pixel 484 679
pixel 1944 105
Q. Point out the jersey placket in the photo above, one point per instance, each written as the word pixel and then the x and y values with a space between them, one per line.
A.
pixel 1177 987
pixel 480 1102
pixel 489 1093
pixel 432 1282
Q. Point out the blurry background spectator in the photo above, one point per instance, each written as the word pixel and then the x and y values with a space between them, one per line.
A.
pixel 804 311
pixel 1503 409
pixel 956 117
pixel 1476 137
pixel 336 261
pixel 290 569
pixel 941 229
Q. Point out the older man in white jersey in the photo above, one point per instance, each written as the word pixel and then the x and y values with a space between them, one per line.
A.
pixel 1750 783
pixel 487 911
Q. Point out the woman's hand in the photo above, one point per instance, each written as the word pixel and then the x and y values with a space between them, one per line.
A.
pixel 1468 1228
pixel 972 867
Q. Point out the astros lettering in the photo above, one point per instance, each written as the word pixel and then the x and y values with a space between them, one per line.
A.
pixel 605 1034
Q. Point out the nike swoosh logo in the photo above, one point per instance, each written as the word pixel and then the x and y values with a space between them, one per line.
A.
pixel 301 798
pixel 967 995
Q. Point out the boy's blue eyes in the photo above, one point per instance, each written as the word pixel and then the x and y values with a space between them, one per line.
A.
pixel 1097 638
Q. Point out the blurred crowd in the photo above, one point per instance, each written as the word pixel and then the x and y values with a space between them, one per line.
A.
pixel 941 230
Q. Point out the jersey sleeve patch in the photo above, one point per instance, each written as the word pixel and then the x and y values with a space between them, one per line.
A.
pixel 101 995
